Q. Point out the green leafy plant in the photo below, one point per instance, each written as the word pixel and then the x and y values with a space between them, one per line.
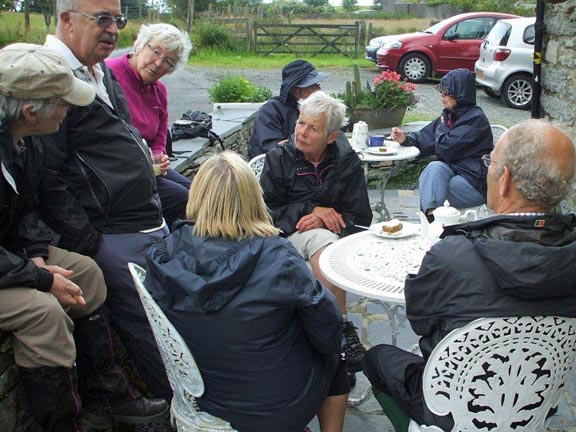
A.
pixel 234 88
pixel 389 91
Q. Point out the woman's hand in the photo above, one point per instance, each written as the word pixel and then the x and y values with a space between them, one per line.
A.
pixel 164 165
pixel 398 135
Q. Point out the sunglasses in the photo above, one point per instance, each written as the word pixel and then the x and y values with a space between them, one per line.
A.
pixel 105 21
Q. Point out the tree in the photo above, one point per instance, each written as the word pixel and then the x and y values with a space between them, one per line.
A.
pixel 316 3
pixel 349 5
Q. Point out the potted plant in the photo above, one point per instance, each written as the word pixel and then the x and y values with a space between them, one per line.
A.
pixel 232 90
pixel 382 106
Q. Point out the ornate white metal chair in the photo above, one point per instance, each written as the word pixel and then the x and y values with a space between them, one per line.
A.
pixel 500 374
pixel 256 164
pixel 183 373
pixel 497 131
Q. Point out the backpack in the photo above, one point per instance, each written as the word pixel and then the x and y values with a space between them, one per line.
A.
pixel 194 124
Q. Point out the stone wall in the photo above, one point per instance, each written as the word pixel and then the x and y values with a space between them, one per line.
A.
pixel 559 65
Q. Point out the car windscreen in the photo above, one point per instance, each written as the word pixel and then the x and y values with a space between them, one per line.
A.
pixel 499 34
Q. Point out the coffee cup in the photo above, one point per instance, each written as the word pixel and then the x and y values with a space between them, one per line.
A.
pixel 375 141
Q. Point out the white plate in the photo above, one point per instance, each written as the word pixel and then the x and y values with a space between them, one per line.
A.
pixel 407 230
pixel 376 151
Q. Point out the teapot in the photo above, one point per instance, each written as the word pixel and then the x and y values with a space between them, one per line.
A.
pixel 359 135
pixel 444 216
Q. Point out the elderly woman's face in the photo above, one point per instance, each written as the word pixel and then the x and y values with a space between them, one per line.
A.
pixel 311 136
pixel 448 102
pixel 153 61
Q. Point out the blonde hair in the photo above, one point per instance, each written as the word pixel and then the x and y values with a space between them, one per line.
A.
pixel 226 200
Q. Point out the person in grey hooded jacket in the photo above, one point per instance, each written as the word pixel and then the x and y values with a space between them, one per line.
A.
pixel 458 139
pixel 519 262
pixel 265 334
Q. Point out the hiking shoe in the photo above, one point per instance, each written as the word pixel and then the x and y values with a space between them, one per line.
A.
pixel 133 411
pixel 354 349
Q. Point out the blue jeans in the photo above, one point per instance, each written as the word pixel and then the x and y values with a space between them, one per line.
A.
pixel 439 183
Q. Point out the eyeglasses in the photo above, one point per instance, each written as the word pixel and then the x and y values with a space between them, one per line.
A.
pixel 105 21
pixel 487 159
pixel 168 63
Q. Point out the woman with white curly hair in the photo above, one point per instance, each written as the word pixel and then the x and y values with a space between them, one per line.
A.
pixel 159 49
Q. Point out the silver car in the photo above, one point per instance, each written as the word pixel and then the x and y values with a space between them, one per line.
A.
pixel 505 66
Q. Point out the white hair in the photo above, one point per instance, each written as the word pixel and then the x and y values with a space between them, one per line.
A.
pixel 172 39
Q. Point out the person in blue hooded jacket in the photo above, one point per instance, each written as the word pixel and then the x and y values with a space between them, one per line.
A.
pixel 458 138
pixel 265 334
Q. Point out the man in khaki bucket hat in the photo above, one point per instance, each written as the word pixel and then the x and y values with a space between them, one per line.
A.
pixel 50 299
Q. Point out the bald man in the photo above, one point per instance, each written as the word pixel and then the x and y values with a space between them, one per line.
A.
pixel 521 261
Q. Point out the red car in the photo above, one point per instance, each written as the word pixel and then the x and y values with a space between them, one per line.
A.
pixel 450 44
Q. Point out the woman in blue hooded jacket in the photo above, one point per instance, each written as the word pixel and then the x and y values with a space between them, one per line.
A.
pixel 459 138
pixel 265 334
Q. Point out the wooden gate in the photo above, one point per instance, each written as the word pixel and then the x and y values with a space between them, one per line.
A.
pixel 308 39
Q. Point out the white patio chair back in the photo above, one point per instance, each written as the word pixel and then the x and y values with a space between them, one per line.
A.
pixel 256 164
pixel 497 132
pixel 183 373
pixel 500 374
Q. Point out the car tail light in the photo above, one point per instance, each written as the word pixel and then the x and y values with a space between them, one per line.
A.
pixel 501 54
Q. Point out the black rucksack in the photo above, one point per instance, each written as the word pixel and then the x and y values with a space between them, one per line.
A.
pixel 194 124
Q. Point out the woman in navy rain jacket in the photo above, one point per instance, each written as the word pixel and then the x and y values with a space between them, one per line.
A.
pixel 459 138
pixel 265 334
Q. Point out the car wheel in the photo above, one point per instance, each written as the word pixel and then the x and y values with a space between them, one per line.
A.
pixel 415 68
pixel 517 91
pixel 490 93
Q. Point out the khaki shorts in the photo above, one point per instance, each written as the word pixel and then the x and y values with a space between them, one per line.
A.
pixel 310 242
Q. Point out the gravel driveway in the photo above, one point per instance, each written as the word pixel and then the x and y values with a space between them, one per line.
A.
pixel 188 89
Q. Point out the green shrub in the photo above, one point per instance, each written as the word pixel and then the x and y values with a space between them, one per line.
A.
pixel 234 88
pixel 211 35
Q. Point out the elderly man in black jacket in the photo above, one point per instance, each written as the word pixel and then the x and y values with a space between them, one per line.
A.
pixel 315 189
pixel 99 190
pixel 50 299
pixel 521 261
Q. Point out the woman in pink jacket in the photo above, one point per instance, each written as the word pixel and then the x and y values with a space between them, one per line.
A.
pixel 159 50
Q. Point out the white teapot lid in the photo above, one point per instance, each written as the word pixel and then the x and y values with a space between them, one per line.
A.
pixel 445 211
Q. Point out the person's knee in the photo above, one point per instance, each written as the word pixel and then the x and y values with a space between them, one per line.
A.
pixel 436 168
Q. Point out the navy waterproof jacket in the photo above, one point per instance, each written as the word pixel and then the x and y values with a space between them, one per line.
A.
pixel 495 267
pixel 462 145
pixel 265 334
pixel 293 186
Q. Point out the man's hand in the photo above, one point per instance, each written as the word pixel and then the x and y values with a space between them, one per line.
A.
pixel 308 222
pixel 66 292
pixel 330 218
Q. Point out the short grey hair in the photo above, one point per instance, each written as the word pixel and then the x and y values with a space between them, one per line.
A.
pixel 11 108
pixel 319 103
pixel 536 177
pixel 172 39
pixel 66 5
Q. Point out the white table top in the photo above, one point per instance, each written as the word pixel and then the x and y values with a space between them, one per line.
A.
pixel 400 153
pixel 373 266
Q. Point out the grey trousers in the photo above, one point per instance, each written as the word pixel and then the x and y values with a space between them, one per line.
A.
pixel 43 331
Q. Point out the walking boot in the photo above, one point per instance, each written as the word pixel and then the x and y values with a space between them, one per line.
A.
pixel 106 391
pixel 53 400
pixel 354 349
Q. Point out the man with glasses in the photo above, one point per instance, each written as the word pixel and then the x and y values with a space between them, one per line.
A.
pixel 276 119
pixel 99 189
pixel 519 262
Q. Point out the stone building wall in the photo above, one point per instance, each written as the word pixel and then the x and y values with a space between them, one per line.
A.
pixel 559 66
